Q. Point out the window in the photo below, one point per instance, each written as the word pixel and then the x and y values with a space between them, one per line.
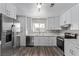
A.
pixel 42 26
pixel 38 27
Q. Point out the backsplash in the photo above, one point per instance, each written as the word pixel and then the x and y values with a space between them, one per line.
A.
pixel 51 32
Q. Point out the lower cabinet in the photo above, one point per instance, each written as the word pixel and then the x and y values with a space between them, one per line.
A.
pixel 44 41
pixel 52 41
pixel 17 41
pixel 76 51
pixel 36 41
pixel 71 49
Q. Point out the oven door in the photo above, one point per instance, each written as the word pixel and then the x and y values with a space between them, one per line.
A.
pixel 60 43
pixel 8 36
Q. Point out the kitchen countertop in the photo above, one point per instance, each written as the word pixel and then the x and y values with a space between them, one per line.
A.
pixel 17 35
pixel 43 35
pixel 53 35
pixel 74 41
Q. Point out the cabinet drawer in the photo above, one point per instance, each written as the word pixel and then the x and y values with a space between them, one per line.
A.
pixel 76 51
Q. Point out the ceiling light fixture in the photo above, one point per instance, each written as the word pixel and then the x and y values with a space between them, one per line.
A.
pixel 39 5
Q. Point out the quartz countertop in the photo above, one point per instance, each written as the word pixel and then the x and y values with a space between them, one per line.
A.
pixel 42 35
pixel 39 35
pixel 17 35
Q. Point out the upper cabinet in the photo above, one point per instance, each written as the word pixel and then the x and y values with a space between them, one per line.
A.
pixel 71 16
pixel 75 17
pixel 54 23
pixel 57 23
pixel 8 10
pixel 50 23
pixel 62 19
pixel 29 25
pixel 65 18
pixel 68 16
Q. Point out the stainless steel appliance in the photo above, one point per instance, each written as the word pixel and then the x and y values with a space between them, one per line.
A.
pixel 60 42
pixel 29 42
pixel 8 36
pixel 70 35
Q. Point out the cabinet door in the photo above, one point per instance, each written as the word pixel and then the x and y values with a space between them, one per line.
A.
pixel 75 17
pixel 52 41
pixel 76 49
pixel 3 6
pixel 8 10
pixel 29 29
pixel 41 42
pixel 67 47
pixel 57 23
pixel 47 42
pixel 50 23
pixel 17 41
pixel 71 50
pixel 68 16
pixel 62 19
pixel 36 41
pixel 0 8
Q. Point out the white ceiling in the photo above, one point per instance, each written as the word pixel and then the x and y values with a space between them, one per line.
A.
pixel 30 9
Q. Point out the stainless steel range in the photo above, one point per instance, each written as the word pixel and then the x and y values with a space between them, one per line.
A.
pixel 60 42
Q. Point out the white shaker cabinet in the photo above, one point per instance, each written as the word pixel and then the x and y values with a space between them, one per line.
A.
pixel 40 41
pixel 36 41
pixel 75 17
pixel 29 25
pixel 44 41
pixel 57 23
pixel 66 18
pixel 52 41
pixel 54 23
pixel 71 16
pixel 68 49
pixel 71 48
pixel 62 19
pixel 0 8
pixel 51 23
pixel 8 10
